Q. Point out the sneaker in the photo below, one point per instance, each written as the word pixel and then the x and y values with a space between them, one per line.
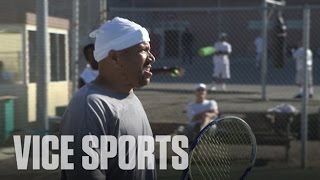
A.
pixel 298 96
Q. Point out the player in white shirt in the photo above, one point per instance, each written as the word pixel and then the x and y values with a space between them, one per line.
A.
pixel 299 56
pixel 221 64
pixel 202 111
pixel 91 71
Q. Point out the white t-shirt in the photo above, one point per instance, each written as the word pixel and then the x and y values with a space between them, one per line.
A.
pixel 222 46
pixel 194 108
pixel 299 56
pixel 89 74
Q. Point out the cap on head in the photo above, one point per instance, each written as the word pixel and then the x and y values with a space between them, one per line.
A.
pixel 117 34
pixel 200 86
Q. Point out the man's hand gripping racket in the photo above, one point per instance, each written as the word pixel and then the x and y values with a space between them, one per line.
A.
pixel 224 150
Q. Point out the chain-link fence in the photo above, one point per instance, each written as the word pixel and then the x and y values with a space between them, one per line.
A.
pixel 243 26
pixel 275 121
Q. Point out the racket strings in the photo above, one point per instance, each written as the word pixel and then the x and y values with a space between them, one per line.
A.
pixel 242 141
pixel 240 138
pixel 211 153
pixel 223 152
pixel 201 167
pixel 222 157
pixel 200 157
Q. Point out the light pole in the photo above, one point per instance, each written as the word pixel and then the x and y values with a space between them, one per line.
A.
pixel 43 69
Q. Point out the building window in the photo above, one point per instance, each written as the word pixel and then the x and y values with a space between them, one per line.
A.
pixel 58 58
pixel 32 56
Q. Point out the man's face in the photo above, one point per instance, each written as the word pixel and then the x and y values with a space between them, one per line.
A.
pixel 136 64
pixel 201 94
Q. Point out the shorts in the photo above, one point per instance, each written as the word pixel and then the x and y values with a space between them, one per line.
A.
pixel 300 77
pixel 221 70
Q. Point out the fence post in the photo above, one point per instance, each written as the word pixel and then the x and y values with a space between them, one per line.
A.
pixel 75 45
pixel 43 65
pixel 264 52
pixel 305 100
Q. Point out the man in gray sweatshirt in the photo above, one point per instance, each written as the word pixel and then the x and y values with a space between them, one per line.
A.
pixel 108 105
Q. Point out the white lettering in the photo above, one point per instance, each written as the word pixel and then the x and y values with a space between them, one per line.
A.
pixel 86 141
pixel 45 152
pixel 36 152
pixel 131 152
pixel 145 150
pixel 65 152
pixel 107 142
pixel 180 152
pixel 163 140
pixel 22 157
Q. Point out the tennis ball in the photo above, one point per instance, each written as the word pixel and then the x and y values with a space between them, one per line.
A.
pixel 175 73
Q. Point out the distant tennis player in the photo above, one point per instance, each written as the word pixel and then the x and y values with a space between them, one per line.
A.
pixel 90 73
pixel 108 105
pixel 299 56
pixel 221 64
pixel 201 111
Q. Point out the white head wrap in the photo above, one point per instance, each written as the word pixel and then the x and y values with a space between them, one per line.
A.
pixel 117 34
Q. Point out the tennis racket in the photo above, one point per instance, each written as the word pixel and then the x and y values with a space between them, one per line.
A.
pixel 224 150
pixel 206 51
pixel 176 71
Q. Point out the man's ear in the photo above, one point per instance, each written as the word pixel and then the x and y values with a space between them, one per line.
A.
pixel 113 57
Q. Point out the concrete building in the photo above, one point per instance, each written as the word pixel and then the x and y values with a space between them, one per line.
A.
pixel 19 55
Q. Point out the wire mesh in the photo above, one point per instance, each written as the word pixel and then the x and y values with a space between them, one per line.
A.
pixel 243 26
pixel 277 134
